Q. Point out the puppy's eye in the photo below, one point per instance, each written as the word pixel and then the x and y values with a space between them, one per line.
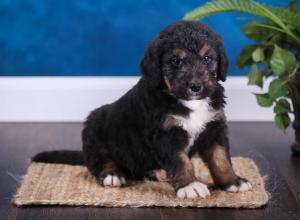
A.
pixel 207 59
pixel 176 61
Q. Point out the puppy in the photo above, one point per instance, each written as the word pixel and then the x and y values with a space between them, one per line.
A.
pixel 174 112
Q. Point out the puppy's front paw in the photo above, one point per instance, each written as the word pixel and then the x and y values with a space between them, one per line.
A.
pixel 193 190
pixel 240 185
pixel 161 175
pixel 113 180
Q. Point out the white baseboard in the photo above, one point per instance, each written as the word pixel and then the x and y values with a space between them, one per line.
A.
pixel 69 99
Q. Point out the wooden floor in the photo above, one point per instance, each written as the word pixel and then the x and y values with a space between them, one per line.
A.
pixel 269 147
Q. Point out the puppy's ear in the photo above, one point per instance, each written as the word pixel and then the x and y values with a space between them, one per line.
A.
pixel 223 63
pixel 151 63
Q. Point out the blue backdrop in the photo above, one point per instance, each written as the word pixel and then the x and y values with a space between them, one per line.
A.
pixel 96 37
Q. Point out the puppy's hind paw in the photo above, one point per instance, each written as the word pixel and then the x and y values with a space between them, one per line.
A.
pixel 241 185
pixel 113 180
pixel 193 190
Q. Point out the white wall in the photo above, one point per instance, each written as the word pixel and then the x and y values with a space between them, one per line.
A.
pixel 72 98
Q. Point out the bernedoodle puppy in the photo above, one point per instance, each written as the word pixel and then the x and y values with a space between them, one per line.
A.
pixel 173 113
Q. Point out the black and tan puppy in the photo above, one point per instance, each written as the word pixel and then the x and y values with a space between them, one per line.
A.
pixel 174 112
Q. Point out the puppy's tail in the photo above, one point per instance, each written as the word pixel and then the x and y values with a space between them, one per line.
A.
pixel 70 157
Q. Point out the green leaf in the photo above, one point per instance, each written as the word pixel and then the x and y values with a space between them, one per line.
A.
pixel 282 121
pixel 282 107
pixel 282 61
pixel 255 76
pixel 254 32
pixel 245 57
pixel 278 88
pixel 264 100
pixel 293 5
pixel 258 55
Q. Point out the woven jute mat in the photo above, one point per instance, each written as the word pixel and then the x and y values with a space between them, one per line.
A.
pixel 57 184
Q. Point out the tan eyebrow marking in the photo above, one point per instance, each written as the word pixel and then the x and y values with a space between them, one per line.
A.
pixel 203 50
pixel 180 53
pixel 167 82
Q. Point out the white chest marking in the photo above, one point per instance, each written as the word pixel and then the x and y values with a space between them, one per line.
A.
pixel 201 113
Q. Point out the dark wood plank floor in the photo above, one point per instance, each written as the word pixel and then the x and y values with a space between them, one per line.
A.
pixel 268 146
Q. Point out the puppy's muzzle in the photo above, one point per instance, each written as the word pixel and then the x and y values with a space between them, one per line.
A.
pixel 195 87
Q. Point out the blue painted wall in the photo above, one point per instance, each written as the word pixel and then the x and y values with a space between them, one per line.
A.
pixel 95 37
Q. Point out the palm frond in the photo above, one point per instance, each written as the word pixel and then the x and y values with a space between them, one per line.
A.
pixel 288 16
pixel 219 6
pixel 281 17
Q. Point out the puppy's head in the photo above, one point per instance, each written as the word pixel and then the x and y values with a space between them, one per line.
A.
pixel 187 59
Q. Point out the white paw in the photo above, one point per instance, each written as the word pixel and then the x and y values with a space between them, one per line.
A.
pixel 193 190
pixel 243 187
pixel 114 181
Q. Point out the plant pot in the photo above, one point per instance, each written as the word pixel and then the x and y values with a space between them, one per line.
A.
pixel 295 96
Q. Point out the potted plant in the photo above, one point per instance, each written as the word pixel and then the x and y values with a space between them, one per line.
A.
pixel 274 54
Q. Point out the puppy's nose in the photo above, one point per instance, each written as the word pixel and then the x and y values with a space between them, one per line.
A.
pixel 195 87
